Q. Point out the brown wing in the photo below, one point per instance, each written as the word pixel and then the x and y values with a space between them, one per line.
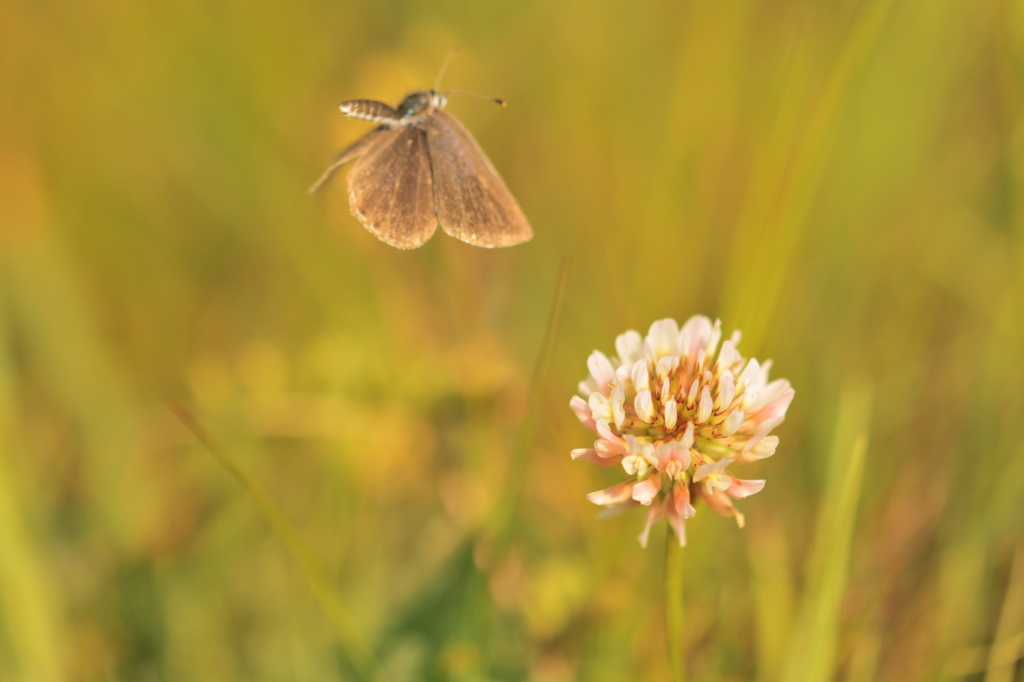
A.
pixel 472 202
pixel 390 191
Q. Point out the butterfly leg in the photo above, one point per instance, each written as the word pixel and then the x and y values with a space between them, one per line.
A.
pixel 357 149
pixel 327 174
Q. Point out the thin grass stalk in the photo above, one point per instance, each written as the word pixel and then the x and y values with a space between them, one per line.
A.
pixel 349 636
pixel 535 401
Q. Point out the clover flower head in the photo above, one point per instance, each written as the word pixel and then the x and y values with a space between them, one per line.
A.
pixel 675 411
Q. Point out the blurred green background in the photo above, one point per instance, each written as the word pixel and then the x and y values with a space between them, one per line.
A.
pixel 842 181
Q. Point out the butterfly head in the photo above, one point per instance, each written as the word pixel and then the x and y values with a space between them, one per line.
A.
pixel 422 103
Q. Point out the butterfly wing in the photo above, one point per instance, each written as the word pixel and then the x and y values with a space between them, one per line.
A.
pixel 390 188
pixel 472 202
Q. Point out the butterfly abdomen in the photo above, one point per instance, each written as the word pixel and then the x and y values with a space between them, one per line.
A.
pixel 370 110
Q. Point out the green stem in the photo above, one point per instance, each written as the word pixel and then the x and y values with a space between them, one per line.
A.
pixel 674 605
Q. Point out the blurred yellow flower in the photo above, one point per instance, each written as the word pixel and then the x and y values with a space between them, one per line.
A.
pixel 675 415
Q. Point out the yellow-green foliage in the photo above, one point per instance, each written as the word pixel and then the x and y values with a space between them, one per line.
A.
pixel 843 181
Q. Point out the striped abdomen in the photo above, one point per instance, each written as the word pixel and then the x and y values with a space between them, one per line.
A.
pixel 370 110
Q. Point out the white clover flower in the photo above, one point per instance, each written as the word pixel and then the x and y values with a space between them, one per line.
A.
pixel 675 411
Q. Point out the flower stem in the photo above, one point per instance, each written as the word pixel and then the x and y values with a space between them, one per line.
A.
pixel 674 605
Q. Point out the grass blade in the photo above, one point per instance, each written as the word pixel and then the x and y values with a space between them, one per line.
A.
pixel 28 614
pixel 1009 639
pixel 785 182
pixel 812 656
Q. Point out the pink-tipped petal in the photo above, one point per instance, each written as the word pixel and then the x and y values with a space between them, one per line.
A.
pixel 697 330
pixel 705 470
pixel 678 527
pixel 640 376
pixel 609 448
pixel 601 369
pixel 592 456
pixel 623 377
pixel 718 502
pixel 727 357
pixel 630 347
pixel 741 488
pixel 685 344
pixel 691 396
pixel 764 449
pixel 750 374
pixel 732 423
pixel 612 512
pixel 649 453
pixel 681 502
pixel 687 440
pixel 582 409
pixel 617 401
pixel 716 336
pixel 600 408
pixel 768 394
pixel 760 432
pixel 704 406
pixel 606 432
pixel 674 450
pixel 644 406
pixel 671 414
pixel 664 338
pixel 765 427
pixel 646 490
pixel 667 365
pixel 617 494
pixel 654 515
pixel 779 406
pixel 776 407
pixel 726 391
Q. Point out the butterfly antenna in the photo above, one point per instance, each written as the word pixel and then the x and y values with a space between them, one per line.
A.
pixel 444 66
pixel 499 102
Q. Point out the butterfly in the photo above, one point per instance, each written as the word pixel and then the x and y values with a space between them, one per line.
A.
pixel 421 167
